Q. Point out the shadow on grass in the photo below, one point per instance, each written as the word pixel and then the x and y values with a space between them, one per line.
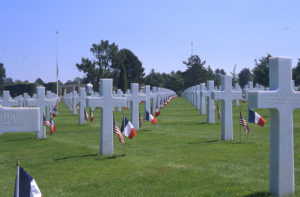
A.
pixel 145 130
pixel 258 194
pixel 91 155
pixel 21 139
pixel 208 141
pixel 242 142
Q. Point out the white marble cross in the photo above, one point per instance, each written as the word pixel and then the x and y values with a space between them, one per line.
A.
pixel 282 100
pixel 202 98
pixel 128 93
pixel 135 98
pixel 41 102
pixel 237 88
pixel 106 102
pixel 82 105
pixel 249 88
pixel 154 100
pixel 148 97
pixel 226 95
pixel 119 94
pixel 210 118
pixel 198 96
pixel 74 102
pixel 22 119
pixel 7 101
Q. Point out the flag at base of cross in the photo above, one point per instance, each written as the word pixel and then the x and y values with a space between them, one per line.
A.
pixel 281 100
pixel 106 102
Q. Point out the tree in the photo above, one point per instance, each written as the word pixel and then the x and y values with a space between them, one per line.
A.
pixel 39 81
pixel 102 66
pixel 2 76
pixel 154 79
pixel 234 75
pixel 174 82
pixel 77 80
pixel 134 69
pixel 8 81
pixel 196 72
pixel 244 76
pixel 296 73
pixel 123 83
pixel 218 73
pixel 261 71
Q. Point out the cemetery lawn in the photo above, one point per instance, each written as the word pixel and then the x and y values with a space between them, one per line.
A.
pixel 180 156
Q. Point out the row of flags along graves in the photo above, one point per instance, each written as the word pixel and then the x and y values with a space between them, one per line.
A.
pixel 127 128
pixel 25 185
pixel 253 117
pixel 53 113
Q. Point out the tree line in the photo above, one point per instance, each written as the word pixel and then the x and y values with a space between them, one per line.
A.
pixel 125 68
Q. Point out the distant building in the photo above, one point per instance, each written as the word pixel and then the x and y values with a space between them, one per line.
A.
pixel 66 89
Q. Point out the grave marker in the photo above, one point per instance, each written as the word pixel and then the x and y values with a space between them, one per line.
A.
pixel 106 102
pixel 19 119
pixel 210 118
pixel 226 95
pixel 41 102
pixel 282 100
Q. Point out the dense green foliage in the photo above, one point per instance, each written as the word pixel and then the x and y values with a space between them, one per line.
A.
pixel 133 67
pixel 181 156
pixel 261 71
pixel 296 73
pixel 2 77
pixel 51 86
pixel 39 81
pixel 19 89
pixel 244 76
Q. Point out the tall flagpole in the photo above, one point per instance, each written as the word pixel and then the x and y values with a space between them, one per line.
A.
pixel 57 63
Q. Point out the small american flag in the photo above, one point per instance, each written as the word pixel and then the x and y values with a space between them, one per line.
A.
pixel 86 115
pixel 46 122
pixel 118 132
pixel 244 123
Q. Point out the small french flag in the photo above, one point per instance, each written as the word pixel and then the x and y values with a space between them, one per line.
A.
pixel 254 117
pixel 127 128
pixel 25 185
pixel 150 118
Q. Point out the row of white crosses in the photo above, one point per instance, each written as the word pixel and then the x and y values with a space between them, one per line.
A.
pixel 24 119
pixel 107 101
pixel 282 99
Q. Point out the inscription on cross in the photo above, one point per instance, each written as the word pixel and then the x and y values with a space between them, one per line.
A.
pixel 226 95
pixel 282 100
pixel 106 102
pixel 41 102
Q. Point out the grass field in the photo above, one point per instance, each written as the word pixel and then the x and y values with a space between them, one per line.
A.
pixel 180 156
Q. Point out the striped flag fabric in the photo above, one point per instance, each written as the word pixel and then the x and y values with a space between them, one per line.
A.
pixel 46 122
pixel 243 122
pixel 150 118
pixel 254 117
pixel 140 120
pixel 52 127
pixel 86 115
pixel 218 111
pixel 25 185
pixel 118 132
pixel 91 116
pixel 127 128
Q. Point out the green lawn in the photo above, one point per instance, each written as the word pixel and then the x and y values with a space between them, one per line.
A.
pixel 180 156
